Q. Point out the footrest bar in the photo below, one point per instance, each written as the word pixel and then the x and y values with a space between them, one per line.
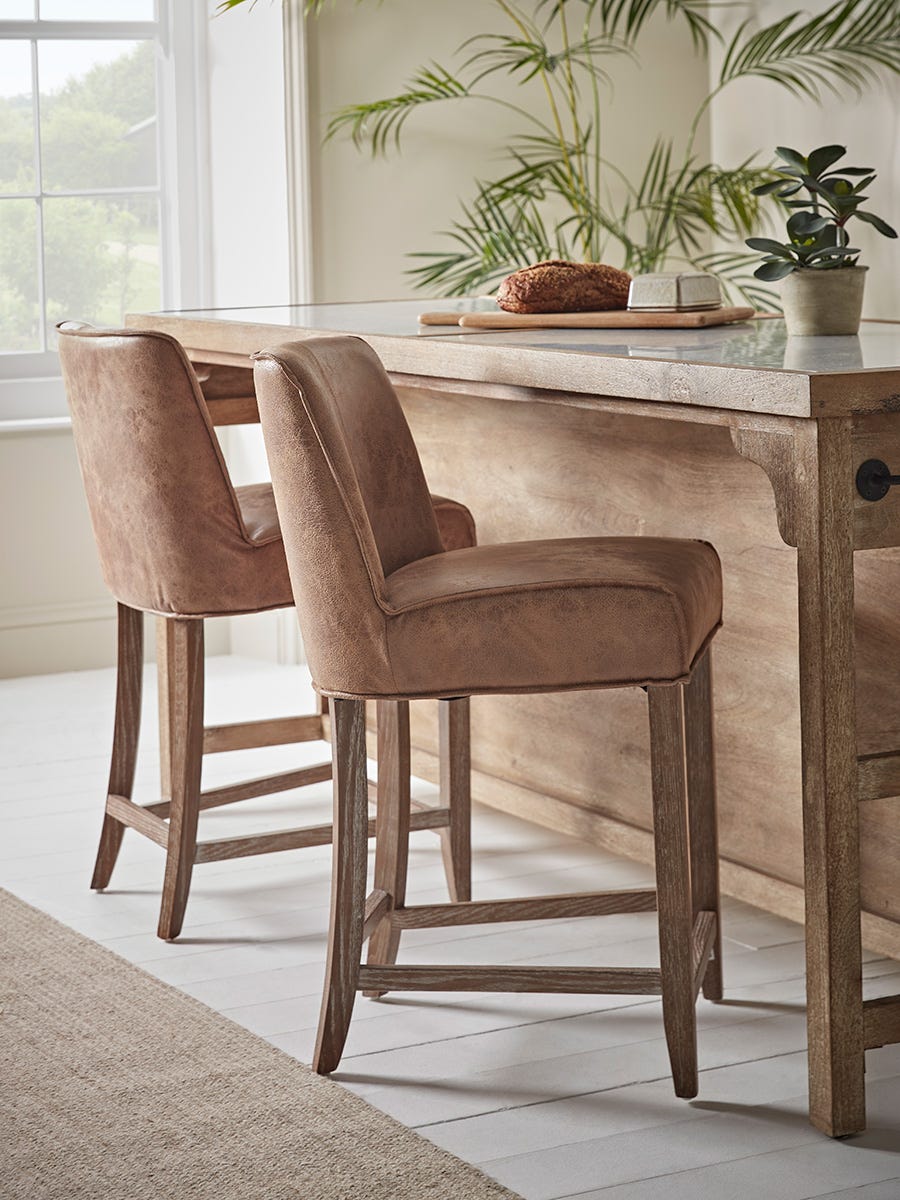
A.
pixel 136 816
pixel 532 908
pixel 249 735
pixel 288 839
pixel 702 943
pixel 219 797
pixel 378 905
pixel 878 775
pixel 429 817
pixel 264 843
pixel 881 1022
pixel 265 785
pixel 629 981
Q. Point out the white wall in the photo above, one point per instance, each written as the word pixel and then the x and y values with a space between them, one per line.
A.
pixel 367 215
pixel 755 115
pixel 247 177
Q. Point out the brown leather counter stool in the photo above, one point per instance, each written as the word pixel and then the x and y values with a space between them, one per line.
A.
pixel 384 613
pixel 176 539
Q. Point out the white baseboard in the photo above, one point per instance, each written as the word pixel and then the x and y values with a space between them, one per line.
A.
pixel 70 613
pixel 42 639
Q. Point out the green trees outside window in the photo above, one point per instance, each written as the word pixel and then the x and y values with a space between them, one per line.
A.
pixel 100 251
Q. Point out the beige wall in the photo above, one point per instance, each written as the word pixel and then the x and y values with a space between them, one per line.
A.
pixel 754 115
pixel 55 613
pixel 368 214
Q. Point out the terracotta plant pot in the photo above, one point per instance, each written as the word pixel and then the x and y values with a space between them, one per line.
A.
pixel 823 302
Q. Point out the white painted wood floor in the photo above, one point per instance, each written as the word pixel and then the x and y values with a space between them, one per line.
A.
pixel 555 1096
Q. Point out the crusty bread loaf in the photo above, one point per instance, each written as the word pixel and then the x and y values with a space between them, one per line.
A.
pixel 558 286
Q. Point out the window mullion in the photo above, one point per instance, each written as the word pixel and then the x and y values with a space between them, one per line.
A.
pixel 39 188
pixel 147 189
pixel 82 30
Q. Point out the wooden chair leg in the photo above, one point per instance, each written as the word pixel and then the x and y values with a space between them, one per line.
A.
pixel 391 823
pixel 179 650
pixel 348 881
pixel 456 795
pixel 673 884
pixel 701 773
pixel 126 730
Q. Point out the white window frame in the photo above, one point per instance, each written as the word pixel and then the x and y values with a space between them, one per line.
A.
pixel 31 391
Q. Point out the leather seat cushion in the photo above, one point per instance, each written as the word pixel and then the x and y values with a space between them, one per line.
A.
pixel 271 587
pixel 551 615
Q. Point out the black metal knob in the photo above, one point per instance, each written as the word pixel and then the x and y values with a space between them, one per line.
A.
pixel 874 479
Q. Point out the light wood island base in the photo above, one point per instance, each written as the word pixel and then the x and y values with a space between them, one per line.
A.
pixel 579 763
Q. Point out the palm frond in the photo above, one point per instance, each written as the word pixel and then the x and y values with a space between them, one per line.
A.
pixel 524 58
pixel 520 57
pixel 627 18
pixel 379 122
pixel 724 199
pixel 546 159
pixel 493 237
pixel 678 204
pixel 845 46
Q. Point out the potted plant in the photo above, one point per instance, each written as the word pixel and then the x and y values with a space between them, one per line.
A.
pixel 823 284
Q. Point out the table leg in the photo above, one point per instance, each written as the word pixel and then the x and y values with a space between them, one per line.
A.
pixel 824 529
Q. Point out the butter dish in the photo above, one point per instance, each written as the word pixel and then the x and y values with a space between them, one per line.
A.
pixel 674 292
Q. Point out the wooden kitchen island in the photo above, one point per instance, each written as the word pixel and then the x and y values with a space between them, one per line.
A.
pixel 744 438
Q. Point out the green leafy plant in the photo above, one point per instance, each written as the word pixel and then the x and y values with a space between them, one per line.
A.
pixel 560 196
pixel 817 232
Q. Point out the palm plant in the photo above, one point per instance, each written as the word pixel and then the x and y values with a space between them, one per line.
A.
pixel 560 196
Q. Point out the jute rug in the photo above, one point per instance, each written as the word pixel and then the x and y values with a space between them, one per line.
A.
pixel 113 1086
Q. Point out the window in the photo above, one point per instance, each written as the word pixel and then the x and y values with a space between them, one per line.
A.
pixel 98 149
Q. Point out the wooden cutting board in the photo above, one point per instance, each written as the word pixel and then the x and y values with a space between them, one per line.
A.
pixel 618 319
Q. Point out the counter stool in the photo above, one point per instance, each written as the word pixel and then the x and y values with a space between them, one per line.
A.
pixel 385 614
pixel 176 539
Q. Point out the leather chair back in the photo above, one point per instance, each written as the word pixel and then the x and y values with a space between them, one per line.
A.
pixel 352 499
pixel 165 516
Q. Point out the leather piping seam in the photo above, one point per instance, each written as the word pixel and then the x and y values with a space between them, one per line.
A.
pixel 550 585
pixel 178 615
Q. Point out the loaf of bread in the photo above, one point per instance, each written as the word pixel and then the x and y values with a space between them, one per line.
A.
pixel 558 286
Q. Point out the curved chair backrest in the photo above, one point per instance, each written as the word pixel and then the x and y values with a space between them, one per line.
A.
pixel 165 516
pixel 352 500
